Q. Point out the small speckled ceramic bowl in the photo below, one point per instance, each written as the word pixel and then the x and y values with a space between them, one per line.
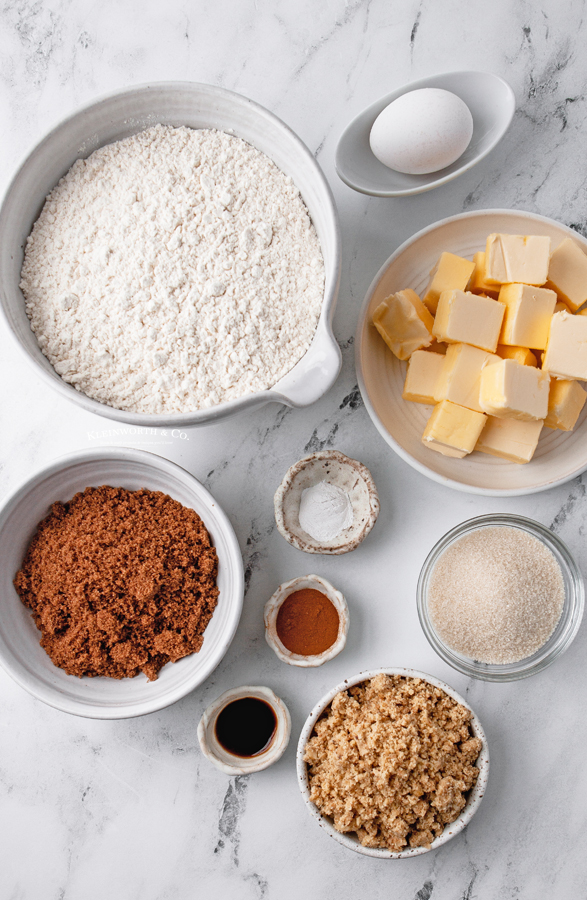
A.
pixel 350 839
pixel 338 469
pixel 314 582
pixel 239 765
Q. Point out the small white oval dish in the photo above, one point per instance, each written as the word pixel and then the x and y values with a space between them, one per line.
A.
pixel 273 605
pixel 243 765
pixel 492 103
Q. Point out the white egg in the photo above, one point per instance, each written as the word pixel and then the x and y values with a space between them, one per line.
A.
pixel 422 131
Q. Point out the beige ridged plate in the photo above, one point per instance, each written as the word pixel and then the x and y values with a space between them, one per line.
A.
pixel 559 456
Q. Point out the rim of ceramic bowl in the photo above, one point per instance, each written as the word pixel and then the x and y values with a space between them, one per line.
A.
pixel 271 611
pixel 46 687
pixel 567 626
pixel 237 765
pixel 313 374
pixel 360 366
pixel 476 793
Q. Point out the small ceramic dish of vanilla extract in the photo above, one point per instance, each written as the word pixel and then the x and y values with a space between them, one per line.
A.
pixel 307 635
pixel 245 730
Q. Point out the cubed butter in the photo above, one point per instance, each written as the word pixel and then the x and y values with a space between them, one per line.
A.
pixel 511 390
pixel 567 274
pixel 566 351
pixel 453 427
pixel 424 368
pixel 527 315
pixel 431 444
pixel 438 346
pixel 478 283
pixel 510 439
pixel 466 318
pixel 460 377
pixel 520 354
pixel 562 307
pixel 450 273
pixel 404 323
pixel 565 402
pixel 516 257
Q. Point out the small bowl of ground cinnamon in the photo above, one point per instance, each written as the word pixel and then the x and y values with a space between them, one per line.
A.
pixel 306 621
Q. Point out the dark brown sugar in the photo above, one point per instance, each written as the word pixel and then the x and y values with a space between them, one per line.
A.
pixel 119 582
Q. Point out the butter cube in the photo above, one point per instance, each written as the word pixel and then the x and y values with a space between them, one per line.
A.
pixel 510 439
pixel 527 316
pixel 567 274
pixel 565 402
pixel 453 427
pixel 423 371
pixel 511 390
pixel 562 307
pixel 466 318
pixel 478 284
pixel 431 444
pixel 566 351
pixel 404 323
pixel 460 378
pixel 516 257
pixel 521 354
pixel 450 273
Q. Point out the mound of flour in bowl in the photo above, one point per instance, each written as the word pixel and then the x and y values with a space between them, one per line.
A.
pixel 172 271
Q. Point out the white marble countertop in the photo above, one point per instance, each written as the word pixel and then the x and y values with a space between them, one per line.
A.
pixel 131 809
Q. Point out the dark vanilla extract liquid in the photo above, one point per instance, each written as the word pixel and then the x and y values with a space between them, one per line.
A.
pixel 246 726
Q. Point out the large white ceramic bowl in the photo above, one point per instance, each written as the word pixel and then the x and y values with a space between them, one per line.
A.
pixel 559 456
pixel 350 840
pixel 114 118
pixel 20 652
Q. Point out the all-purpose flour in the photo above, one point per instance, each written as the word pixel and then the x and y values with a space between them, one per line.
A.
pixel 172 271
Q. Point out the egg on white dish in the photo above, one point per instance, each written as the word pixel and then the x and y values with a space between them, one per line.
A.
pixel 422 131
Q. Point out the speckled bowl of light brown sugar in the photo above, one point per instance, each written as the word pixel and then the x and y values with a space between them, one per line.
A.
pixel 350 839
pixel 564 631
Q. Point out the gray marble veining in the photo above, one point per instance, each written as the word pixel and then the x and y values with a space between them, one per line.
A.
pixel 131 809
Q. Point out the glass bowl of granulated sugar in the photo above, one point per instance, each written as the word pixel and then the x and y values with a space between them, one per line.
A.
pixel 170 256
pixel 500 597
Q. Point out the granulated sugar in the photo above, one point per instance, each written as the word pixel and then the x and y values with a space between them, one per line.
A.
pixel 496 595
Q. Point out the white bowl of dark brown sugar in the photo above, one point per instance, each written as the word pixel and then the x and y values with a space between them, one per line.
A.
pixel 245 730
pixel 500 597
pixel 170 256
pixel 121 583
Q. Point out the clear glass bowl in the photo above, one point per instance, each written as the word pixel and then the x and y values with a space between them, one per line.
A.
pixel 567 626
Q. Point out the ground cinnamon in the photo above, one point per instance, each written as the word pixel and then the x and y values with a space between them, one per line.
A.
pixel 307 622
pixel 119 582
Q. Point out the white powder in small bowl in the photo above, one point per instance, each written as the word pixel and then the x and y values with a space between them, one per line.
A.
pixel 325 511
pixel 496 595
